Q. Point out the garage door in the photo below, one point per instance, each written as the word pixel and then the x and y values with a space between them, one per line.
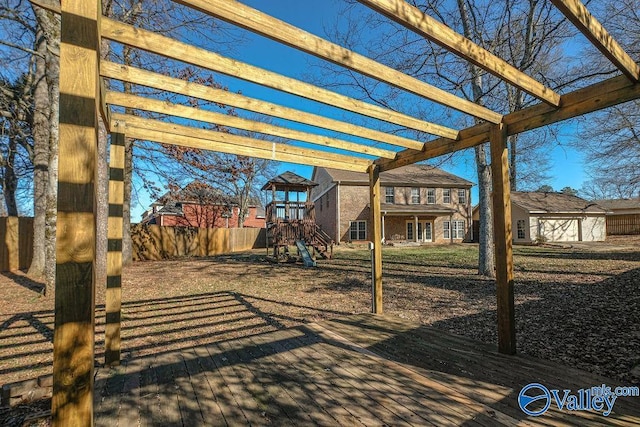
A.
pixel 559 230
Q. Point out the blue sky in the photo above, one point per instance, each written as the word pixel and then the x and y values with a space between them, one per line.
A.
pixel 567 167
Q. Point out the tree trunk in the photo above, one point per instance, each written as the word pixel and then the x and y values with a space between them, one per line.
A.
pixel 10 180
pixel 102 208
pixel 127 246
pixel 40 133
pixel 512 141
pixel 486 258
pixel 52 34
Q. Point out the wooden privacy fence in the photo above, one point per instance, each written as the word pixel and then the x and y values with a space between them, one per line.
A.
pixel 153 242
pixel 16 246
pixel 623 224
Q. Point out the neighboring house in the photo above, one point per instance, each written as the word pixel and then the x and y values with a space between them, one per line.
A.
pixel 420 203
pixel 554 217
pixel 623 215
pixel 200 205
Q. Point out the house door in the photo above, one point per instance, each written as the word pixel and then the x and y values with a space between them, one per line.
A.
pixel 428 232
pixel 425 232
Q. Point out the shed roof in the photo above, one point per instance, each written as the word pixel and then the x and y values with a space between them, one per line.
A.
pixel 411 175
pixel 289 179
pixel 553 202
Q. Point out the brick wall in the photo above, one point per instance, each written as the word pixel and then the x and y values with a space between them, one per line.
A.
pixel 354 205
pixel 326 210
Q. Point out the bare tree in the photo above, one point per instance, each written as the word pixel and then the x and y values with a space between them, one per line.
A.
pixel 526 34
pixel 610 139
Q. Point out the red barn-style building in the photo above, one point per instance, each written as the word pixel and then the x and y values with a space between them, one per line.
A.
pixel 200 205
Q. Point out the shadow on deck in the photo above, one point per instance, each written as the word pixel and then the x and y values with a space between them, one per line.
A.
pixel 355 370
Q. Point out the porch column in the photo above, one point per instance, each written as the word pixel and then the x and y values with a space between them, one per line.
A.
pixel 383 234
pixel 376 239
pixel 415 228
pixel 113 301
pixel 503 239
pixel 74 325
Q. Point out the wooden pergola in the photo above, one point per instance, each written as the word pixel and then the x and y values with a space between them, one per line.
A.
pixel 83 98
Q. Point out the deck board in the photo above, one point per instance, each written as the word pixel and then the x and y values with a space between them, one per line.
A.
pixel 350 371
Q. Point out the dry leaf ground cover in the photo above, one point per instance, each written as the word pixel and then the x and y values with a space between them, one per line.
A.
pixel 578 305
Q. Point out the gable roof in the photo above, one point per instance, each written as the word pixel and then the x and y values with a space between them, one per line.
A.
pixel 612 204
pixel 553 202
pixel 198 192
pixel 289 179
pixel 412 175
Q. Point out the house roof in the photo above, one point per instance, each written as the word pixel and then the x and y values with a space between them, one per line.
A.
pixel 614 204
pixel 289 179
pixel 412 175
pixel 198 193
pixel 552 202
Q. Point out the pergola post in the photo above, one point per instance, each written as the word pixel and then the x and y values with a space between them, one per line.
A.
pixel 376 239
pixel 74 333
pixel 114 254
pixel 503 239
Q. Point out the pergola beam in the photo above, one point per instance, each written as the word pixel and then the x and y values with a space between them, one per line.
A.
pixel 415 20
pixel 265 25
pixel 176 110
pixel 178 86
pixel 375 226
pixel 503 239
pixel 614 91
pixel 173 134
pixel 587 24
pixel 113 296
pixel 74 322
pixel 165 46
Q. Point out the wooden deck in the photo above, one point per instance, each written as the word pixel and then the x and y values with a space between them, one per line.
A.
pixel 356 370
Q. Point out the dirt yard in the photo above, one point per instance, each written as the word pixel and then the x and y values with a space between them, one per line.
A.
pixel 579 306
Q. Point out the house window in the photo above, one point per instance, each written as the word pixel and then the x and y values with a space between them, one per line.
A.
pixel 446 195
pixel 458 229
pixel 389 195
pixel 358 230
pixel 462 196
pixel 410 231
pixel 520 225
pixel 431 196
pixel 415 196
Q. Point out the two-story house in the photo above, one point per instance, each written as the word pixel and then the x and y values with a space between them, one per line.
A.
pixel 202 206
pixel 420 203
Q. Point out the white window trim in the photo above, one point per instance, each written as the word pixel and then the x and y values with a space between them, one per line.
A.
pixel 519 223
pixel 357 231
pixel 434 196
pixel 462 191
pixel 391 194
pixel 413 202
pixel 445 197
pixel 459 227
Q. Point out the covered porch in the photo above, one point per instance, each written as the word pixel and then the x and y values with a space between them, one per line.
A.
pixel 353 370
pixel 418 223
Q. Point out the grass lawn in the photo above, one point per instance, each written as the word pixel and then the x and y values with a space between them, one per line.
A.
pixel 578 306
